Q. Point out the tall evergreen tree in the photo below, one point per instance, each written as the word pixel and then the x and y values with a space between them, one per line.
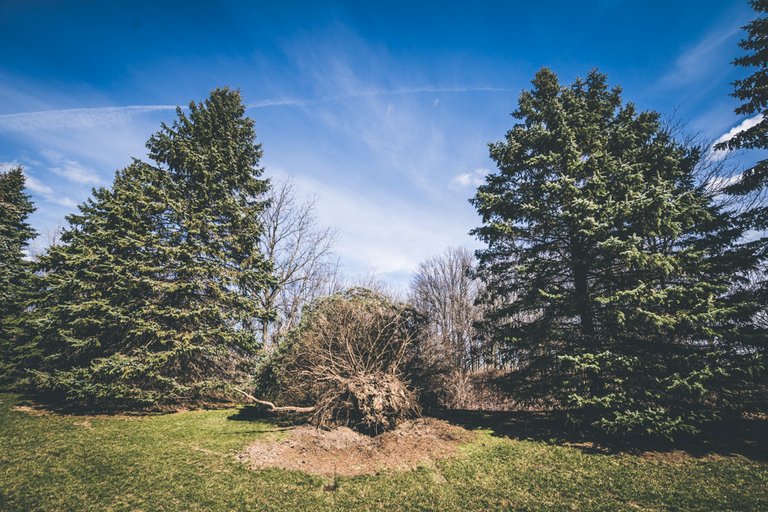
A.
pixel 608 264
pixel 753 93
pixel 750 191
pixel 15 270
pixel 148 297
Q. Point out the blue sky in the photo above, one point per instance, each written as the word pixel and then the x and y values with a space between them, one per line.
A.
pixel 383 110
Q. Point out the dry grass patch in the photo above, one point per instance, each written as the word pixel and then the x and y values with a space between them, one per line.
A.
pixel 32 411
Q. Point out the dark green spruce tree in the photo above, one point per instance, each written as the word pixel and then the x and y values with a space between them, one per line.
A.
pixel 15 270
pixel 608 265
pixel 148 298
pixel 750 191
pixel 752 91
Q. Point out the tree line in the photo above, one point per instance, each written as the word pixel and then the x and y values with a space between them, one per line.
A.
pixel 622 276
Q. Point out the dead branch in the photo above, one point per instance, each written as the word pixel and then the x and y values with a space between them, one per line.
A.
pixel 275 408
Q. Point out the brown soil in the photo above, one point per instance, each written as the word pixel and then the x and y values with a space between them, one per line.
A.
pixel 344 452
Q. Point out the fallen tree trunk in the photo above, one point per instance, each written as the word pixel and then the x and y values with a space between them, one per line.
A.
pixel 275 408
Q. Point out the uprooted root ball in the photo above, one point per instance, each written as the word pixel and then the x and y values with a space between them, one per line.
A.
pixel 369 403
pixel 348 360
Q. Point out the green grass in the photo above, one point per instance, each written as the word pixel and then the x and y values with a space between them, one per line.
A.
pixel 185 461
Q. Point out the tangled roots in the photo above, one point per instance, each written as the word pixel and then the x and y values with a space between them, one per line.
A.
pixel 370 404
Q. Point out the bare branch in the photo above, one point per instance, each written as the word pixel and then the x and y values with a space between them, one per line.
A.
pixel 302 255
pixel 274 408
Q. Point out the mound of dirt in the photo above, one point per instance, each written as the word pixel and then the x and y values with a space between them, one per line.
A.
pixel 344 452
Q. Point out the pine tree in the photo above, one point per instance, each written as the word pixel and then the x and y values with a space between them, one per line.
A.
pixel 608 264
pixel 15 270
pixel 148 298
pixel 753 93
pixel 749 192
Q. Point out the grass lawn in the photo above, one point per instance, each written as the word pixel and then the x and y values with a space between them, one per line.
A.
pixel 186 461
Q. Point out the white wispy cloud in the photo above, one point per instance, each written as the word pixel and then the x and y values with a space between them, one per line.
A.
pixel 746 124
pixel 382 234
pixel 279 102
pixel 77 173
pixel 720 183
pixel 6 166
pixel 390 129
pixel 47 193
pixel 38 187
pixel 100 116
pixel 70 170
pixel 372 93
pixel 470 179
pixel 377 153
pixel 711 52
pixel 430 89
pixel 74 118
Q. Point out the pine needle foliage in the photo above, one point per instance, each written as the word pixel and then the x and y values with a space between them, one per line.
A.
pixel 148 298
pixel 749 189
pixel 752 92
pixel 15 269
pixel 609 267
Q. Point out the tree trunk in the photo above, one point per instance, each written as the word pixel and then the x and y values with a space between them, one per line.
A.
pixel 584 302
pixel 582 298
pixel 276 408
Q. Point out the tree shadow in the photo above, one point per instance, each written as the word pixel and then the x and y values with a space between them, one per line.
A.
pixel 44 403
pixel 282 420
pixel 744 436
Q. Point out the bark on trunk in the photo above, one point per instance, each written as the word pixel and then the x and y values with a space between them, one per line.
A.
pixel 275 408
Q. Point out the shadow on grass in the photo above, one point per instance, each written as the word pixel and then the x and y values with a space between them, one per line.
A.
pixel 43 403
pixel 282 421
pixel 747 437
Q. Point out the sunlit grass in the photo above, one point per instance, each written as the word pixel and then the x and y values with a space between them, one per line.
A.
pixel 186 461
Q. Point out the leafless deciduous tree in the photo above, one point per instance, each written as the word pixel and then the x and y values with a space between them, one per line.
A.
pixel 301 251
pixel 49 238
pixel 376 283
pixel 444 292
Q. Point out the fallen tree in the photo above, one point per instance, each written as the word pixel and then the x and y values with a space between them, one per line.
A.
pixel 345 364
pixel 271 407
